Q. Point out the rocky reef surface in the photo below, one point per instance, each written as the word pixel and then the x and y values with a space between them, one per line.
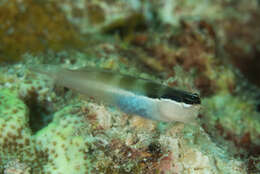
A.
pixel 204 46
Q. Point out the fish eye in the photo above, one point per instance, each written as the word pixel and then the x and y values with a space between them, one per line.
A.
pixel 191 99
pixel 195 98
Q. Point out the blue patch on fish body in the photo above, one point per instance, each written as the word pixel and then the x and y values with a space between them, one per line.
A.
pixel 138 105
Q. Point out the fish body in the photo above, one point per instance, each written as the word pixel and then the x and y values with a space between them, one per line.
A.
pixel 132 95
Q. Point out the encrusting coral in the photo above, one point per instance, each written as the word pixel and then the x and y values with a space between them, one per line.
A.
pixel 15 167
pixel 15 135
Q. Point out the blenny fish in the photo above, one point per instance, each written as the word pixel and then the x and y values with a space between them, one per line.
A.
pixel 132 95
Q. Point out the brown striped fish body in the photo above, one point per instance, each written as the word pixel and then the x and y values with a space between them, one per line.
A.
pixel 132 95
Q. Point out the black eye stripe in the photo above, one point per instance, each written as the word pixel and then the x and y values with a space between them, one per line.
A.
pixel 172 97
pixel 154 90
pixel 181 96
pixel 191 99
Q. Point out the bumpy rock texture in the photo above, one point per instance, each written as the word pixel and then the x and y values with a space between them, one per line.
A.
pixel 204 46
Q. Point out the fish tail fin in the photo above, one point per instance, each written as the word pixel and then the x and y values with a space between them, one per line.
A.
pixel 50 71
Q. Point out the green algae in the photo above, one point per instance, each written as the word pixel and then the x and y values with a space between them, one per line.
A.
pixel 235 115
